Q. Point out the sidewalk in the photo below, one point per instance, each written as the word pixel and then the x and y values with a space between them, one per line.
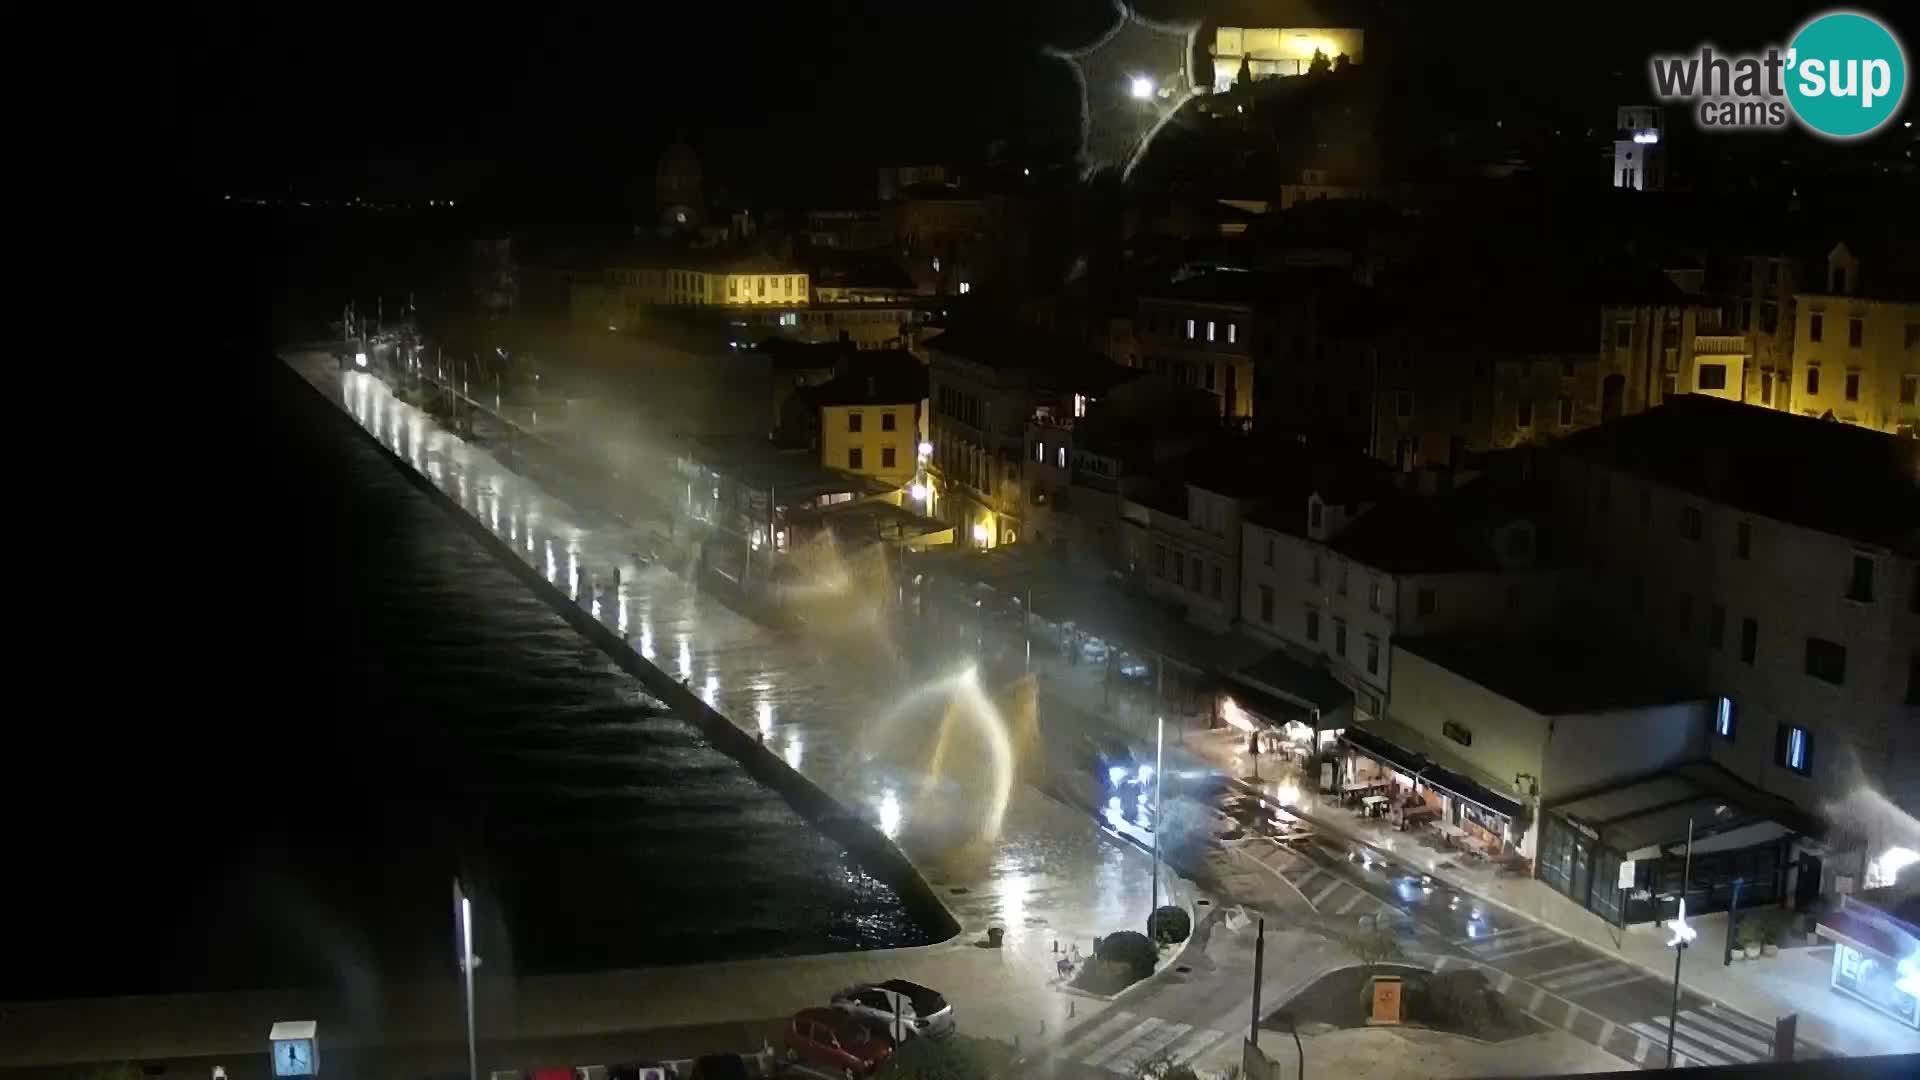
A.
pixel 1796 981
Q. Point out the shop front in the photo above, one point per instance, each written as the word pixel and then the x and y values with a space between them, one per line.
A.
pixel 1417 786
pixel 1876 957
pixel 1629 853
pixel 1294 709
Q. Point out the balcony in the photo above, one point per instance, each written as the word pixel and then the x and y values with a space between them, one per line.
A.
pixel 1719 345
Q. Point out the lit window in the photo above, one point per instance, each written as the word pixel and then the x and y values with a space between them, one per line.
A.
pixel 1060 456
pixel 1209 329
pixel 1040 452
pixel 1189 329
pixel 1796 749
pixel 1723 719
pixel 966 287
pixel 1233 332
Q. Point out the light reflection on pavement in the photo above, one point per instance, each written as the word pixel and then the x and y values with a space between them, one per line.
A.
pixel 1048 876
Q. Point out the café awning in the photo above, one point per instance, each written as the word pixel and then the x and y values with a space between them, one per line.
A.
pixel 1405 749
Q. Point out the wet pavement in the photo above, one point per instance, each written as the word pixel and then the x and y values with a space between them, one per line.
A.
pixel 846 719
pixel 1046 877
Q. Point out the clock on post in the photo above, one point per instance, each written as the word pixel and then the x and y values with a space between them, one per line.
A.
pixel 295 1050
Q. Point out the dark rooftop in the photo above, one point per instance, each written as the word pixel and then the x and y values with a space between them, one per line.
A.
pixel 1553 677
pixel 796 475
pixel 1245 287
pixel 902 382
pixel 1822 475
pixel 1009 347
pixel 1446 533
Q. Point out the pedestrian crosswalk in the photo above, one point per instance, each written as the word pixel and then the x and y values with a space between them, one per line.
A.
pixel 1703 1036
pixel 1329 893
pixel 1558 995
pixel 1122 1039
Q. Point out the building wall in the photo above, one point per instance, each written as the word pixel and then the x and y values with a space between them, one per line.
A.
pixel 1274 52
pixel 1591 750
pixel 1885 366
pixel 1284 563
pixel 1194 559
pixel 978 428
pixel 637 286
pixel 1761 296
pixel 1316 592
pixel 1659 586
pixel 1201 345
pixel 873 440
pixel 1507 738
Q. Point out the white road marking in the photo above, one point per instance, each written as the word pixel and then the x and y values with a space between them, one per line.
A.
pixel 1112 1023
pixel 1495 934
pixel 1321 897
pixel 1118 1046
pixel 1350 904
pixel 1596 987
pixel 1141 1051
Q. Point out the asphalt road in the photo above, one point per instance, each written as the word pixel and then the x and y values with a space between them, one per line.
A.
pixel 1597 997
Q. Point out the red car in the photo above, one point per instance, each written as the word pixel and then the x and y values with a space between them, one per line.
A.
pixel 835 1041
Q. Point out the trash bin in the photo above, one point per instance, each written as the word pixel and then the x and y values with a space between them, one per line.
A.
pixel 994 935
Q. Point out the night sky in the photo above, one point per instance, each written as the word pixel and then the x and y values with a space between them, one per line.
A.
pixel 784 96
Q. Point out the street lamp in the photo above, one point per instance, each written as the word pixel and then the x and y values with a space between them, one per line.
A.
pixel 1159 750
pixel 463 922
pixel 1683 936
pixel 1141 88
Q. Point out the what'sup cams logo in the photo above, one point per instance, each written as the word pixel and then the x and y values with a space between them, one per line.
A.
pixel 1842 76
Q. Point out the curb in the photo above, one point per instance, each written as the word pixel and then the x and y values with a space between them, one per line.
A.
pixel 1247 788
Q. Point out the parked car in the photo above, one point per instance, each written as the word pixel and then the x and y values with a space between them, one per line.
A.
pixel 904 1010
pixel 836 1041
pixel 721 1067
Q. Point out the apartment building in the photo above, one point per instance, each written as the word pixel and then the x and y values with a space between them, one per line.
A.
pixel 1856 354
pixel 985 384
pixel 1201 331
pixel 1339 575
pixel 1773 558
pixel 1184 533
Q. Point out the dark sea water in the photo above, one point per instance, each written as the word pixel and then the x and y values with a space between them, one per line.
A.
pixel 312 698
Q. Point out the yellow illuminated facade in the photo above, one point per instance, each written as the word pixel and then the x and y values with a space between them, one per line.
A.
pixel 1856 356
pixel 700 287
pixel 1278 52
pixel 880 441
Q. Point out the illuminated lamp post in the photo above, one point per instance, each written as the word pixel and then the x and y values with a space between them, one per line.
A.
pixel 1683 936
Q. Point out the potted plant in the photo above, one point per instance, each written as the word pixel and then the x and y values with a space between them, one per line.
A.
pixel 1770 931
pixel 1750 935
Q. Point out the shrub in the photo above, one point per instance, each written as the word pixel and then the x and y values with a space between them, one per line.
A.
pixel 1131 948
pixel 1372 947
pixel 1459 1000
pixel 1098 976
pixel 1163 1066
pixel 1170 925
